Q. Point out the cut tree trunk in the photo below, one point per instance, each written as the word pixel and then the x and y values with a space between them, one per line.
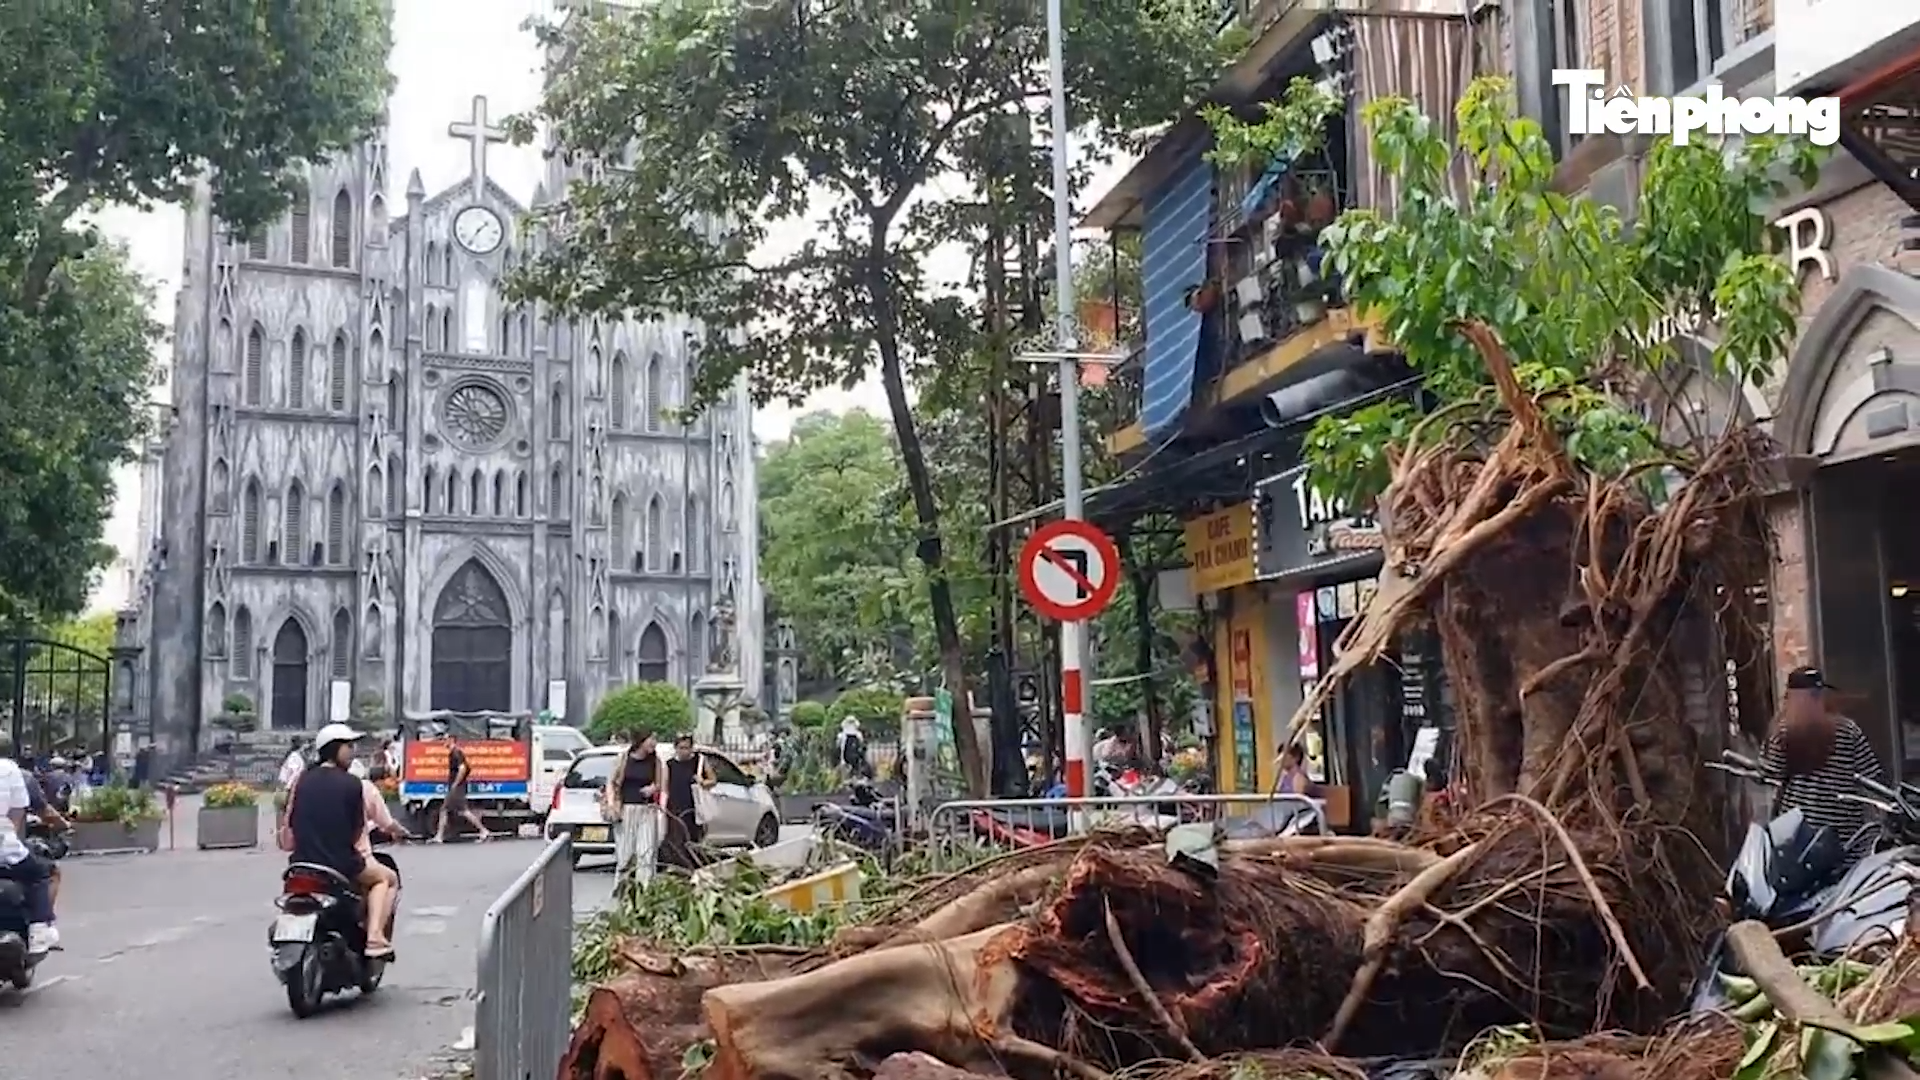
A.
pixel 639 1025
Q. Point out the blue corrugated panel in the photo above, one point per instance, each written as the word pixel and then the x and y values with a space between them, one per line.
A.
pixel 1173 260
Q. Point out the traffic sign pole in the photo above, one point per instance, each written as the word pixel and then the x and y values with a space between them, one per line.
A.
pixel 1073 631
pixel 1069 571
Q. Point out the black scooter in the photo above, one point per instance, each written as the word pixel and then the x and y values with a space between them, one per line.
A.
pixel 1791 873
pixel 319 941
pixel 17 961
pixel 867 824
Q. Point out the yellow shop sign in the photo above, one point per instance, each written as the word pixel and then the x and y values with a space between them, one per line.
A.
pixel 1220 548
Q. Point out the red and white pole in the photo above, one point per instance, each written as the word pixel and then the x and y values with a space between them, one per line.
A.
pixel 1073 706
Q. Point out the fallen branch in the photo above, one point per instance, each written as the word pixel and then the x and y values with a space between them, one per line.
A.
pixel 1600 905
pixel 1760 957
pixel 1379 931
pixel 1145 989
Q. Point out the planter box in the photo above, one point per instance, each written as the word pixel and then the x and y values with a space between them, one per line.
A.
pixel 229 827
pixel 97 837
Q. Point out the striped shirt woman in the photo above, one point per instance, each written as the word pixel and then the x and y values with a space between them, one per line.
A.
pixel 1815 754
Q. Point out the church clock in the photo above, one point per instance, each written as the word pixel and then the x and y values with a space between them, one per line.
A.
pixel 478 229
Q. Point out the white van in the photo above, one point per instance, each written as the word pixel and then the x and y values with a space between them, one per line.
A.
pixel 554 748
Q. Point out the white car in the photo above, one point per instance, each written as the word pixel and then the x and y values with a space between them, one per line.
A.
pixel 746 814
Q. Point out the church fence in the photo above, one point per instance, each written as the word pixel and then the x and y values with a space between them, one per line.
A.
pixel 54 696
pixel 525 978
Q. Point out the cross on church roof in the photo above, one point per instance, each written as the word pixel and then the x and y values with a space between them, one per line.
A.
pixel 478 134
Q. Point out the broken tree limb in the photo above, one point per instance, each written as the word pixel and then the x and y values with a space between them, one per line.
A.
pixel 1760 957
pixel 1380 929
pixel 951 999
pixel 1145 989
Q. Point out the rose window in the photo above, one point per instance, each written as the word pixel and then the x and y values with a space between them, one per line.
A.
pixel 475 414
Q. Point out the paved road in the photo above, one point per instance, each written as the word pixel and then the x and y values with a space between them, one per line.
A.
pixel 165 964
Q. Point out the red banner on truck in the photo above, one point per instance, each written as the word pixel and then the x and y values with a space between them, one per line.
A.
pixel 498 767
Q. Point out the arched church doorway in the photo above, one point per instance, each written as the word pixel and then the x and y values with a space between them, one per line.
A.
pixel 472 644
pixel 1849 424
pixel 289 707
pixel 653 654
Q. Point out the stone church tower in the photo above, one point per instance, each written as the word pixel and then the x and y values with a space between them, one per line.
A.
pixel 381 483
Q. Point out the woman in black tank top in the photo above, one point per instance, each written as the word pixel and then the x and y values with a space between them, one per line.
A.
pixel 629 801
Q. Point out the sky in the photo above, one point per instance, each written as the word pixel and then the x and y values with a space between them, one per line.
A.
pixel 445 53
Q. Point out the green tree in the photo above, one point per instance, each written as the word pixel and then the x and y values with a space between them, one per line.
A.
pixel 662 710
pixel 877 708
pixel 742 120
pixel 1551 534
pixel 835 550
pixel 133 102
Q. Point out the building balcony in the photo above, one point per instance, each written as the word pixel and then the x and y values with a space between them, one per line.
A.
pixel 1238 302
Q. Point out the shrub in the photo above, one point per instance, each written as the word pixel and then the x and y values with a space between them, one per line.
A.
pixel 115 802
pixel 230 796
pixel 236 714
pixel 809 714
pixel 877 708
pixel 649 708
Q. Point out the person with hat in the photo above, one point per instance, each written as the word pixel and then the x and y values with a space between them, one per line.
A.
pixel 1814 754
pixel 327 814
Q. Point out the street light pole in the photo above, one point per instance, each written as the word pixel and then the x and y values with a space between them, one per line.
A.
pixel 1072 633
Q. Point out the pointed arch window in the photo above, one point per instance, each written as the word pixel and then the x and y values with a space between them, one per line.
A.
pixel 432 268
pixel 697 639
pixel 395 421
pixel 337 525
pixel 395 506
pixel 337 375
pixel 217 630
pixel 654 663
pixel 696 534
pixel 656 541
pixel 242 643
pixel 342 229
pixel 446 328
pixel 557 412
pixel 429 489
pixel 476 494
pixel 297 371
pixel 250 523
pixel 220 484
pixel 433 328
pixel 342 644
pixel 293 529
pixel 656 401
pixel 300 223
pixel 256 357
pixel 519 494
pixel 500 493
pixel 376 493
pixel 257 246
pixel 557 493
pixel 616 648
pixel 617 393
pixel 446 266
pixel 595 371
pixel 617 537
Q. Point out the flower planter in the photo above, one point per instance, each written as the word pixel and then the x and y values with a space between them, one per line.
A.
pixel 102 837
pixel 228 827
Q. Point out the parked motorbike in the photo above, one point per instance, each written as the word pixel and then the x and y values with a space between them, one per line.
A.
pixel 1789 873
pixel 318 942
pixel 867 824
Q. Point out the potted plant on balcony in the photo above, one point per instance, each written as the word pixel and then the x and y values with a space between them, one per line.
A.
pixel 229 817
pixel 115 818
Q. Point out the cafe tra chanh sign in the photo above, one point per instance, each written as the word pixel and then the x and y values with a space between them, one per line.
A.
pixel 1220 548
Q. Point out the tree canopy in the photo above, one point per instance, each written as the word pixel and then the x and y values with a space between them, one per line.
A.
pixel 1573 291
pixel 710 131
pixel 132 102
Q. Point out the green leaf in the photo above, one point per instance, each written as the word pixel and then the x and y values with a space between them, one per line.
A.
pixel 1753 1064
pixel 1893 1032
pixel 1826 1055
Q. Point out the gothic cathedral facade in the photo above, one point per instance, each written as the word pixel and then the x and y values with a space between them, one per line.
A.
pixel 384 488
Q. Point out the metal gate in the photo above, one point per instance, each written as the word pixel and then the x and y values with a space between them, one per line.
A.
pixel 56 696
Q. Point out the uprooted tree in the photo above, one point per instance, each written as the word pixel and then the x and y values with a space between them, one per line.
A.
pixel 1574 559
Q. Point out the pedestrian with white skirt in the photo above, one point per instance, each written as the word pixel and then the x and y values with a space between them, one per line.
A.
pixel 631 802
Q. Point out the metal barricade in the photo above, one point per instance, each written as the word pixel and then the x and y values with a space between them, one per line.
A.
pixel 963 831
pixel 525 982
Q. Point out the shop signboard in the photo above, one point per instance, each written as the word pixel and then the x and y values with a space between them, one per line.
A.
pixel 1242 665
pixel 1309 635
pixel 1298 533
pixel 1220 548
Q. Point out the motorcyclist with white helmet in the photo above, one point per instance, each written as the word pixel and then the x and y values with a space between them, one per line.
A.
pixel 328 817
